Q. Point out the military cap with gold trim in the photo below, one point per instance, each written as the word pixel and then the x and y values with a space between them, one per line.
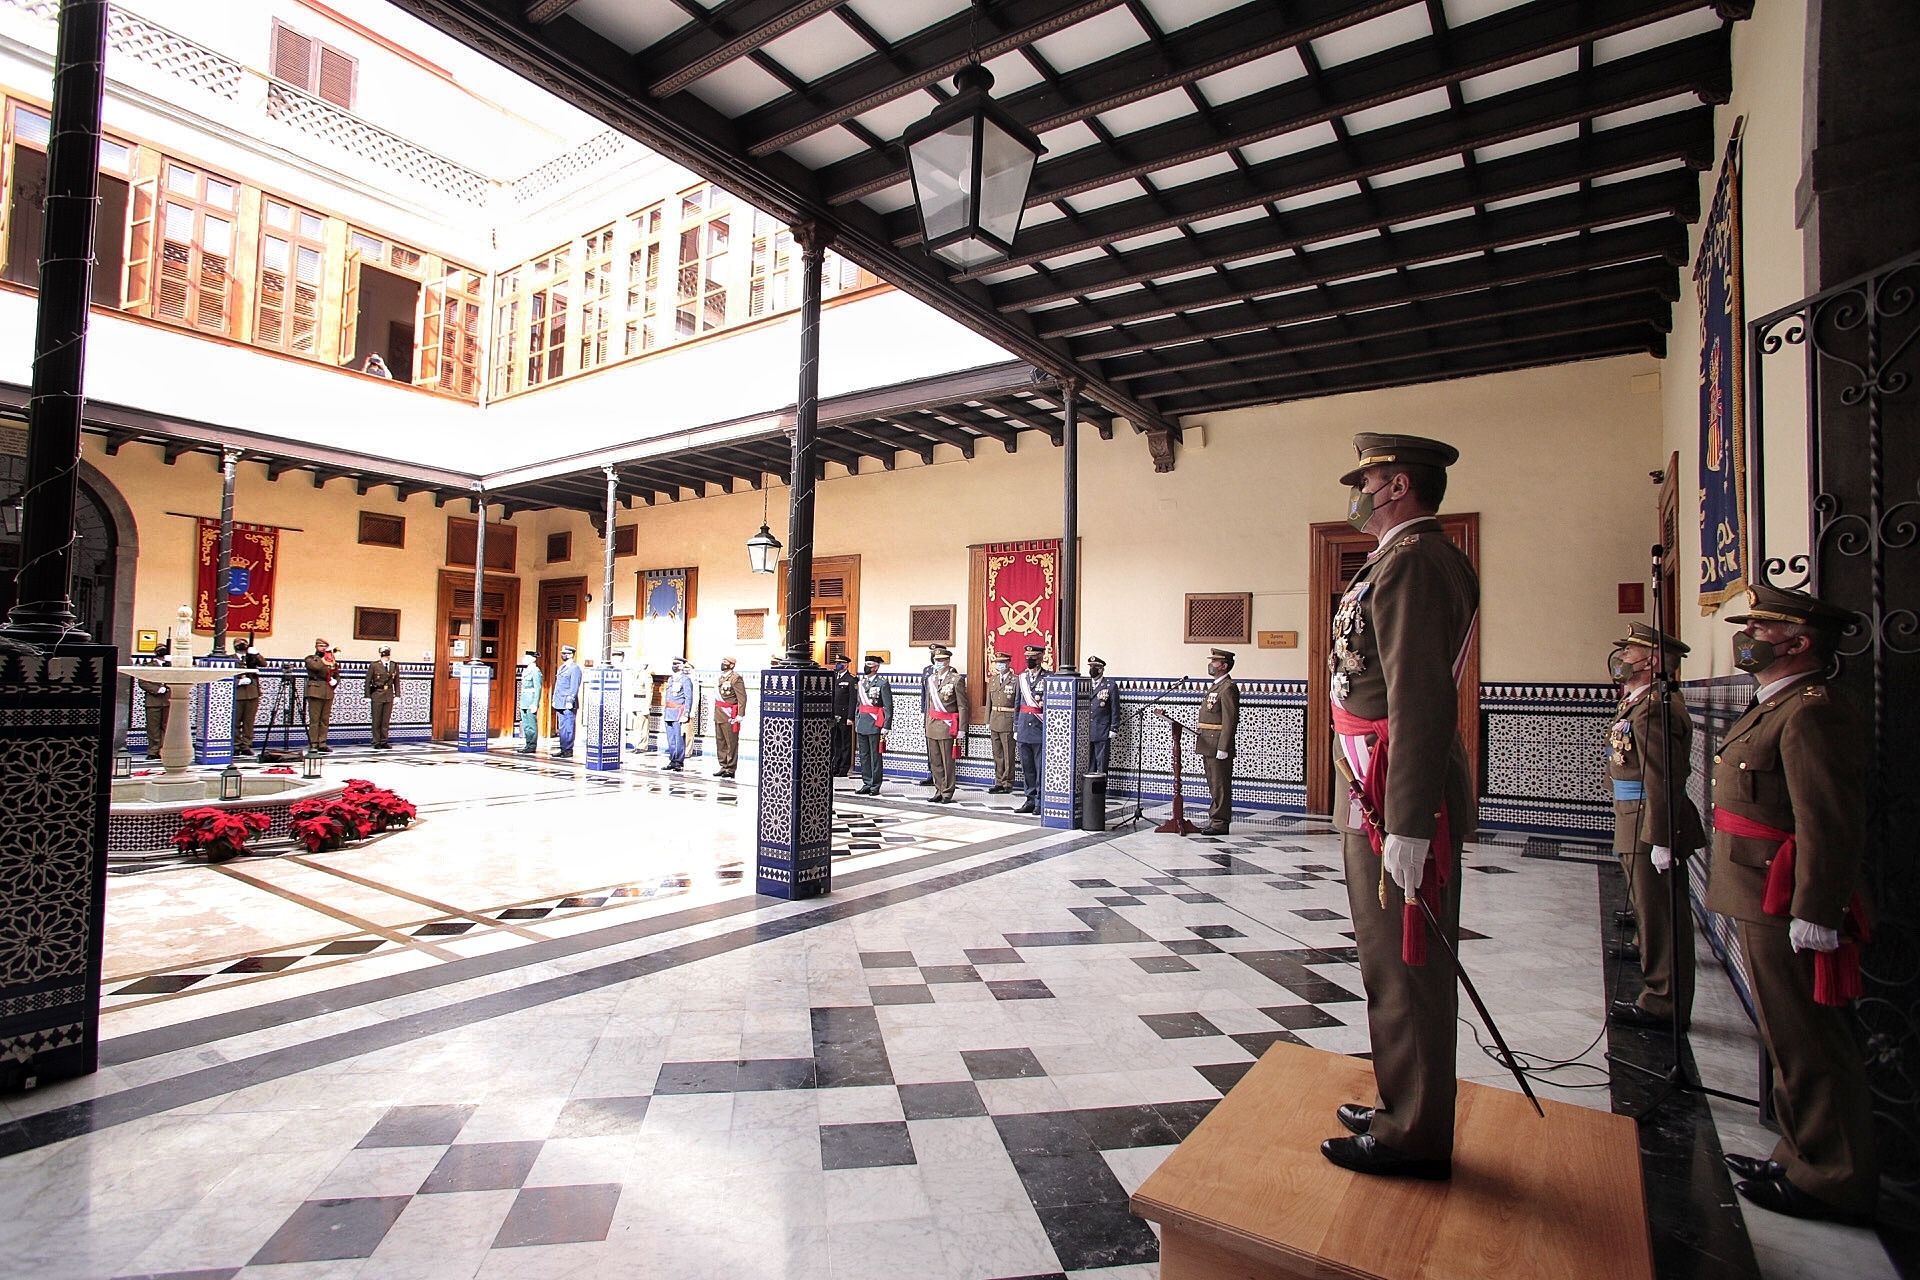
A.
pixel 1642 636
pixel 940 651
pixel 1225 655
pixel 1375 448
pixel 874 658
pixel 1036 651
pixel 1777 604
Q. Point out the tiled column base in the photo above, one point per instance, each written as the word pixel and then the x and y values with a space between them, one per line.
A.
pixel 213 715
pixel 602 698
pixel 476 692
pixel 793 838
pixel 1066 748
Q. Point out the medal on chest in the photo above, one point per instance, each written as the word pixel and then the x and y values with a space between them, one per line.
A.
pixel 1345 660
pixel 1620 742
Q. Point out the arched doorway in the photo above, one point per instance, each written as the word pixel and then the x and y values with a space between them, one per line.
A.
pixel 96 554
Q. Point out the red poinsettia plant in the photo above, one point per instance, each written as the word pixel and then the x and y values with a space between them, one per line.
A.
pixel 219 834
pixel 385 810
pixel 356 813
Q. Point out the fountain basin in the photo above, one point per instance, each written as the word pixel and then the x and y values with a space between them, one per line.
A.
pixel 144 815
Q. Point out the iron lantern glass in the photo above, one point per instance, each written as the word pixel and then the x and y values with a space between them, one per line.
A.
pixel 763 550
pixel 230 783
pixel 123 765
pixel 310 764
pixel 12 515
pixel 971 163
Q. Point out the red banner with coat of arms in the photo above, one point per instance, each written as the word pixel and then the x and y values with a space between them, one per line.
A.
pixel 1022 582
pixel 256 551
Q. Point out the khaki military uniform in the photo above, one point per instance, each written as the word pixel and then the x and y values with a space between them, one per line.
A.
pixel 1403 624
pixel 1003 699
pixel 323 674
pixel 1215 731
pixel 1639 756
pixel 246 701
pixel 383 685
pixel 946 693
pixel 155 695
pixel 1796 762
pixel 730 688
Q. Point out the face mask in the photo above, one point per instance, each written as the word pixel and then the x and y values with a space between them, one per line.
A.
pixel 1359 507
pixel 1033 664
pixel 1619 668
pixel 1751 653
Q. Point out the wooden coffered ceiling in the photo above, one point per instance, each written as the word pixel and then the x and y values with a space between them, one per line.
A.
pixel 1240 203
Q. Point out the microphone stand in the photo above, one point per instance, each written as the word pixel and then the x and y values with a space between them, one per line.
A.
pixel 1139 803
pixel 1677 1079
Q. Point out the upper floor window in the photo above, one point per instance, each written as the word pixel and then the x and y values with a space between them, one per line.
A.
pixel 320 69
pixel 596 299
pixel 643 280
pixel 287 296
pixel 180 247
pixel 700 296
pixel 24 214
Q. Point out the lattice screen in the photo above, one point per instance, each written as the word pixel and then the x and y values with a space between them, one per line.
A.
pixel 377 624
pixel 930 624
pixel 749 624
pixel 1219 617
pixel 378 530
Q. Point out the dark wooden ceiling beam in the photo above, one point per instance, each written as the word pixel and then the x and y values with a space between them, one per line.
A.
pixel 542 11
pixel 322 476
pixel 1030 416
pixel 1007 432
pixel 1686 67
pixel 927 56
pixel 174 450
pixel 893 437
pixel 924 426
pixel 648 483
pixel 761 458
pixel 1664 196
pixel 729 32
pixel 1686 136
pixel 118 440
pixel 849 457
pixel 1179 58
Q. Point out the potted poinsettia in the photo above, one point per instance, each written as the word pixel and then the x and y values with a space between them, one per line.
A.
pixel 323 824
pixel 218 834
pixel 384 810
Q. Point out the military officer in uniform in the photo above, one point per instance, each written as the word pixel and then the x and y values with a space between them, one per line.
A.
pixel 924 673
pixel 383 684
pixel 1030 726
pixel 873 714
pixel 946 709
pixel 1103 696
pixel 246 695
pixel 527 702
pixel 1399 635
pixel 729 704
pixel 1003 700
pixel 843 695
pixel 1649 756
pixel 1789 808
pixel 679 707
pixel 1214 735
pixel 323 677
pixel 154 696
pixel 566 702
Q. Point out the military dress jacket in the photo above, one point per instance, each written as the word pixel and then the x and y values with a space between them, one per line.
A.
pixel 1639 755
pixel 844 683
pixel 873 691
pixel 528 694
pixel 1103 700
pixel 383 679
pixel 1795 762
pixel 246 684
pixel 1003 700
pixel 679 700
pixel 1031 726
pixel 1404 624
pixel 946 693
pixel 1219 722
pixel 322 676
pixel 731 688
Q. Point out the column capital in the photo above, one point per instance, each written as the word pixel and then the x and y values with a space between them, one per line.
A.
pixel 812 237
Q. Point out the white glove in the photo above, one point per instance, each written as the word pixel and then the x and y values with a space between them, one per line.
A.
pixel 1220 755
pixel 1662 858
pixel 1807 936
pixel 1406 859
pixel 1113 736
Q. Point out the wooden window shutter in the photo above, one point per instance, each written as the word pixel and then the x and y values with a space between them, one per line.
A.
pixel 292 57
pixel 750 624
pixel 930 624
pixel 377 624
pixel 140 245
pixel 626 539
pixel 559 547
pixel 1217 617
pixel 378 530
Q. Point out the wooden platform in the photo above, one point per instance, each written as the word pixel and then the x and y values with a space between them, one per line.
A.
pixel 1249 1197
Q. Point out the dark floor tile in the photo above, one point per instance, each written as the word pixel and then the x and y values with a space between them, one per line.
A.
pixel 351 947
pixel 1057 1182
pixel 1020 989
pixel 600 1117
pixel 1161 880
pixel 1184 1117
pixel 482 1166
pixel 443 928
pixel 698 1077
pixel 1093 884
pixel 933 973
pixel 1086 1237
pixel 524 913
pixel 1124 1128
pixel 865 1146
pixel 848 1048
pixel 901 993
pixel 1141 890
pixel 218 1273
pixel 886 959
pixel 583 902
pixel 1163 964
pixel 1314 866
pixel 1119 900
pixel 1215 931
pixel 1042 1133
pixel 1197 899
pixel 1258 1042
pixel 1001 1064
pixel 1051 1275
pixel 1179 1026
pixel 1493 871
pixel 946 1101
pixel 762 1074
pixel 1191 947
pixel 432 1126
pixel 1284 885
pixel 1224 1075
pixel 559 1215
pixel 325 1230
pixel 1301 1017
pixel 160 984
pixel 1318 913
pixel 262 964
pixel 993 955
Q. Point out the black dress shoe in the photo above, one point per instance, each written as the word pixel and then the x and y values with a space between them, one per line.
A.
pixel 1213 831
pixel 1365 1155
pixel 1354 1117
pixel 1625 918
pixel 1625 1013
pixel 924 782
pixel 1754 1167
pixel 1623 951
pixel 1027 807
pixel 1782 1196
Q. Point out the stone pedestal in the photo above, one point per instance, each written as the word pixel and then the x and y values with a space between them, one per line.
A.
pixel 476 696
pixel 213 714
pixel 794 833
pixel 56 743
pixel 1065 760
pixel 602 698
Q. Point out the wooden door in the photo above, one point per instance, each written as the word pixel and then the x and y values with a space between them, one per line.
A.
pixel 1335 553
pixel 835 621
pixel 1668 536
pixel 562 604
pixel 499 629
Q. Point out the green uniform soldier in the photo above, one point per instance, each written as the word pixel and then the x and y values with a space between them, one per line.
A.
pixel 729 703
pixel 323 677
pixel 946 716
pixel 872 717
pixel 1399 637
pixel 383 685
pixel 154 695
pixel 1789 809
pixel 1003 699
pixel 1213 738
pixel 246 695
pixel 1649 757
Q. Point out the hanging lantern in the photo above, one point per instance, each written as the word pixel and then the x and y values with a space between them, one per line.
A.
pixel 971 163
pixel 763 550
pixel 12 514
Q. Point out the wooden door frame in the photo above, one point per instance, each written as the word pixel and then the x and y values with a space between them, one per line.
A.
pixel 1324 544
pixel 543 642
pixel 500 702
pixel 973 624
pixel 1666 535
pixel 848 568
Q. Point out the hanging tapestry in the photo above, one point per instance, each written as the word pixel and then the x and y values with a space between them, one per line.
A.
pixel 663 616
pixel 1022 586
pixel 250 584
pixel 1723 452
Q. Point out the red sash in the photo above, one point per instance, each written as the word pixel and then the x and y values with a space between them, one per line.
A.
pixel 1369 794
pixel 951 718
pixel 1836 973
pixel 1032 710
pixel 729 709
pixel 879 715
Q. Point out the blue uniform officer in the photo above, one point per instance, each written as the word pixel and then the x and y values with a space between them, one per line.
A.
pixel 566 700
pixel 677 709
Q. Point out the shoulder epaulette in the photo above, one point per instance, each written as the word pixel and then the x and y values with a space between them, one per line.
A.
pixel 1815 691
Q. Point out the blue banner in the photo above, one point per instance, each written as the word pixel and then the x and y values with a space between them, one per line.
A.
pixel 1723 452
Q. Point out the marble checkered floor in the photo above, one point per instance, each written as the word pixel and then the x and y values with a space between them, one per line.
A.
pixel 959 1065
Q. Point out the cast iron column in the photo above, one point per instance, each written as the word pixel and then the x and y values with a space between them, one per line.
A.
pixel 479 570
pixel 606 569
pixel 229 466
pixel 603 688
pixel 1066 608
pixel 813 240
pixel 45 608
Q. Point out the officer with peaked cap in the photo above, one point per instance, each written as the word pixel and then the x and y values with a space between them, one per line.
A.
pixel 945 702
pixel 1003 703
pixel 566 701
pixel 382 685
pixel 1649 758
pixel 1399 635
pixel 1103 702
pixel 1789 809
pixel 1214 738
pixel 1030 726
pixel 729 705
pixel 323 677
pixel 679 710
